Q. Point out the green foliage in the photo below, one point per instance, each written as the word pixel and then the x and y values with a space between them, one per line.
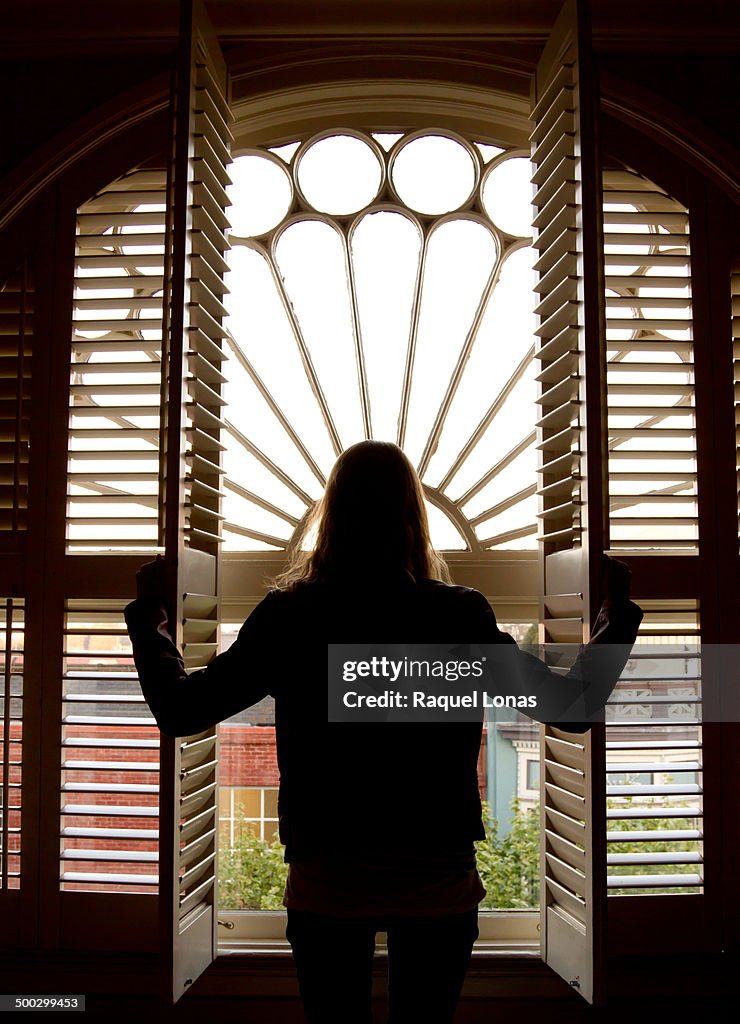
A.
pixel 509 865
pixel 252 873
pixel 532 636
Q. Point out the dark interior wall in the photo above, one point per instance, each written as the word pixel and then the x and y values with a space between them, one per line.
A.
pixel 42 97
pixel 704 86
pixel 46 95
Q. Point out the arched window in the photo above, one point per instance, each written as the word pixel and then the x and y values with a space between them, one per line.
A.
pixel 380 287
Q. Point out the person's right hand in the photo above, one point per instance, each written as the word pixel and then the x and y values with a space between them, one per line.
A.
pixel 150 581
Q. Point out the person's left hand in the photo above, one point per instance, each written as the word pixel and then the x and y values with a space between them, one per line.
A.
pixel 615 580
pixel 150 581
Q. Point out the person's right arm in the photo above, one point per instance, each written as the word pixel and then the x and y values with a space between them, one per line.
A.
pixel 187 703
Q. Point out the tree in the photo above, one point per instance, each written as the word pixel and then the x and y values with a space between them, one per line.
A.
pixel 509 865
pixel 252 873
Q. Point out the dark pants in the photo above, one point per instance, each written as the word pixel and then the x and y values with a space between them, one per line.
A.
pixel 427 960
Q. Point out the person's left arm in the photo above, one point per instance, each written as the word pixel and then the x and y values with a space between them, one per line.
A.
pixel 578 697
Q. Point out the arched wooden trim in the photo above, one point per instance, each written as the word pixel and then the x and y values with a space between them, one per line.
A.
pixel 458 89
pixel 675 129
pixel 50 162
pixel 434 86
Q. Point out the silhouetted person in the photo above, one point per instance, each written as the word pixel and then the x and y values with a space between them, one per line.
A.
pixel 379 820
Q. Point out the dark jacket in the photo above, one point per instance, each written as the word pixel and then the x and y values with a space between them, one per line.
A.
pixel 360 786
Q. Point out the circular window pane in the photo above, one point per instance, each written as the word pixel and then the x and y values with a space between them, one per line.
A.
pixel 433 174
pixel 340 174
pixel 260 193
pixel 507 196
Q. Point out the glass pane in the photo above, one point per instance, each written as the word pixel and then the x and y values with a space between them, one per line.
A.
pixel 387 139
pixel 445 535
pixel 433 174
pixel 520 515
pixel 340 174
pixel 251 414
pixel 260 194
pixel 460 259
pixel 247 803
pixel 488 152
pixel 521 472
pixel 385 257
pixel 512 421
pixel 285 152
pixel 313 262
pixel 246 469
pixel 507 196
pixel 241 512
pixel 259 322
pixel 505 334
pixel 271 797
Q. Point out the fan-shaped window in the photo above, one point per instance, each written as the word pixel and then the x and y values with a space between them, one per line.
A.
pixel 380 287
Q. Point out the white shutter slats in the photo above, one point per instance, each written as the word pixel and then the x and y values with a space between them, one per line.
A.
pixel 650 397
pixel 12 632
pixel 569 909
pixel 568 876
pixel 109 783
pixel 565 826
pixel 206 313
pixel 654 759
pixel 16 334
pixel 115 381
pixel 660 881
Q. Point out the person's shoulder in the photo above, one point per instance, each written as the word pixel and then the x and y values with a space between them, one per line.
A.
pixel 451 593
pixel 294 596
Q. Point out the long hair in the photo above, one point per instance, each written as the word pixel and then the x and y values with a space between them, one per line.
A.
pixel 371 517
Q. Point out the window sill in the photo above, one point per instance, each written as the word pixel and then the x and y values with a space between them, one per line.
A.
pixel 281 947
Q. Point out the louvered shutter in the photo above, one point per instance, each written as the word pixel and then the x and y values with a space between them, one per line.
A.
pixel 654 735
pixel 16 317
pixel 16 332
pixel 567 240
pixel 192 493
pixel 106 847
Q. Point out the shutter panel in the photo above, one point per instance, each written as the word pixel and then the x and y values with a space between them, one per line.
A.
pixel 109 759
pixel 115 381
pixel 650 367
pixel 570 439
pixel 654 737
pixel 16 335
pixel 192 491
